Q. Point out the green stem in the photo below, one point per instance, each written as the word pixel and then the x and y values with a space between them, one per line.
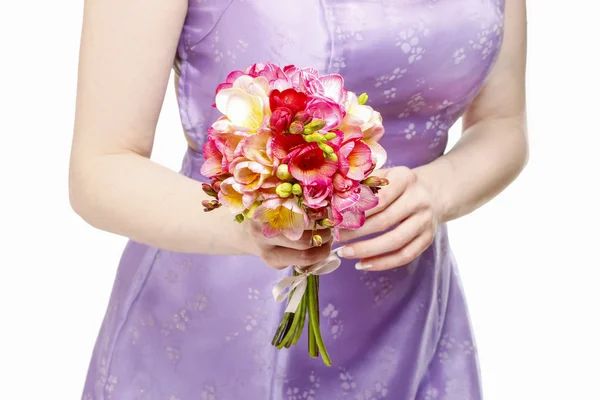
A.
pixel 291 332
pixel 313 315
pixel 302 311
pixel 313 350
pixel 281 330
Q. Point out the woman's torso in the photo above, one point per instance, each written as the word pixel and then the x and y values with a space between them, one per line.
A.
pixel 420 61
pixel 183 326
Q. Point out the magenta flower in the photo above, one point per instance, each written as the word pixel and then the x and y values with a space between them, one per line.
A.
pixel 345 192
pixel 354 216
pixel 317 193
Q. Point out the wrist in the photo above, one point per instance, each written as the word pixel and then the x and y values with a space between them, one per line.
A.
pixel 435 177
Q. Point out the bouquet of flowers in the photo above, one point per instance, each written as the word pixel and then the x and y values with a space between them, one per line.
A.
pixel 294 151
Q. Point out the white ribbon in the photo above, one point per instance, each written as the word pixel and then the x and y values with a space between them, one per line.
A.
pixel 297 283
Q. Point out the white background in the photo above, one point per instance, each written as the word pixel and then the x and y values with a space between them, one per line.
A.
pixel 529 260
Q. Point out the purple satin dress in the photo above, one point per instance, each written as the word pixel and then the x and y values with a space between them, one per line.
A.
pixel 198 327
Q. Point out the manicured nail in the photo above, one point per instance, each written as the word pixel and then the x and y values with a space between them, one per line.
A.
pixel 361 266
pixel 346 251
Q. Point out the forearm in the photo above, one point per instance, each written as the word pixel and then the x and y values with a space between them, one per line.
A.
pixel 489 156
pixel 129 195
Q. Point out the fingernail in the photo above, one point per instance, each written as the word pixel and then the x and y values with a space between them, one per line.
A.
pixel 346 252
pixel 361 266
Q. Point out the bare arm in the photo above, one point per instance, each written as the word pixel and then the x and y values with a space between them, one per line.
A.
pixel 127 51
pixel 493 148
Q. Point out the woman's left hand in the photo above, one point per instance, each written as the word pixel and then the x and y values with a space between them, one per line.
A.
pixel 407 209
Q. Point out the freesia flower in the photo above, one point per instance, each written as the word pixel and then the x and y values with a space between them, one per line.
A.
pixel 354 216
pixel 316 194
pixel 290 98
pixel 355 159
pixel 249 174
pixel 213 164
pixel 230 197
pixel 280 216
pixel 326 110
pixel 345 192
pixel 370 123
pixel 308 164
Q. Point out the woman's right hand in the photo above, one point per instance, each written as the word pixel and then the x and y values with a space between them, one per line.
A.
pixel 281 252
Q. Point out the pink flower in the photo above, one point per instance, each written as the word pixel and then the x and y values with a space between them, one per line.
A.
pixel 268 70
pixel 307 164
pixel 369 122
pixel 316 194
pixel 327 110
pixel 279 216
pixel 354 216
pixel 213 164
pixel 333 88
pixel 345 192
pixel 355 159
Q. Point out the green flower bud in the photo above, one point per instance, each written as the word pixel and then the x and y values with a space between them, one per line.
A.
pixel 333 157
pixel 314 125
pixel 326 222
pixel 362 99
pixel 284 190
pixel 314 137
pixel 240 218
pixel 330 136
pixel 326 148
pixel 283 172
pixel 297 189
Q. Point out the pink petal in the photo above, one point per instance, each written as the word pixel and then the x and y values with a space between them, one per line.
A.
pixel 367 200
pixel 352 220
pixel 213 165
pixel 340 203
pixel 351 133
pixel 233 75
pixel 333 87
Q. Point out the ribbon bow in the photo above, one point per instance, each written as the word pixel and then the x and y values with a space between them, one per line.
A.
pixel 297 283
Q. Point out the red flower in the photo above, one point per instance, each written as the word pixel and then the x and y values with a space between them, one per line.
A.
pixel 281 119
pixel 307 164
pixel 289 98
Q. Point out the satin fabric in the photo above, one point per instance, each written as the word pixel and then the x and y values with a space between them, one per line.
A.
pixel 188 327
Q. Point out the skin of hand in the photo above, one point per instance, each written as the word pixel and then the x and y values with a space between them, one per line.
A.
pixel 126 58
pixel 491 153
